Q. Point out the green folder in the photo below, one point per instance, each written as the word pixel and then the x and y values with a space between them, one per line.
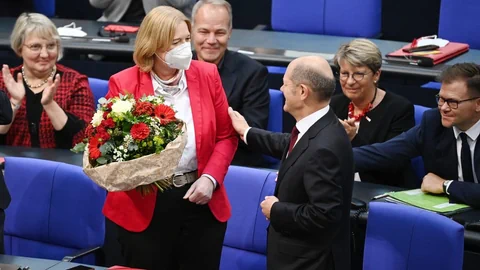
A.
pixel 431 202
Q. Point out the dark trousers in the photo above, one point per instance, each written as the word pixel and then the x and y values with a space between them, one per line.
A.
pixel 2 220
pixel 182 235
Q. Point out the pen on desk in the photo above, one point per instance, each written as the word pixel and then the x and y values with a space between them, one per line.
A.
pixel 381 196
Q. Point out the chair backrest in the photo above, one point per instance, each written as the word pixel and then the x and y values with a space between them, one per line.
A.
pixel 244 246
pixel 417 162
pixel 99 88
pixel 275 120
pixel 328 17
pixel 403 237
pixel 46 7
pixel 56 210
pixel 459 20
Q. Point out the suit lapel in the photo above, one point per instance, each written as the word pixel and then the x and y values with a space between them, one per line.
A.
pixel 446 154
pixel 301 146
pixel 196 105
pixel 146 85
pixel 228 76
pixel 476 159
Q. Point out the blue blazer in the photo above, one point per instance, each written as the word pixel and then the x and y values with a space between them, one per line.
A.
pixel 437 146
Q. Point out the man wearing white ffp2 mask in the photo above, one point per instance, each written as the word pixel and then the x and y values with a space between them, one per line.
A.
pixel 179 57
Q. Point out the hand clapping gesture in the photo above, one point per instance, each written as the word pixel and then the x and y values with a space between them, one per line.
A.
pixel 15 88
pixel 50 90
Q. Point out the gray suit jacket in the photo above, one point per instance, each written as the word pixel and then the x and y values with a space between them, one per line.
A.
pixel 115 9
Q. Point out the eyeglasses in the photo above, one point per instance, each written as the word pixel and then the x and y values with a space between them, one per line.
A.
pixel 37 47
pixel 357 76
pixel 451 103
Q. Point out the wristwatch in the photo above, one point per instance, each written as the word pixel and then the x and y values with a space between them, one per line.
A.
pixel 445 186
pixel 16 106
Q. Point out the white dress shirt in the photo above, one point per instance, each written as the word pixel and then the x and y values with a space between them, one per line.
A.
pixel 180 101
pixel 304 124
pixel 472 136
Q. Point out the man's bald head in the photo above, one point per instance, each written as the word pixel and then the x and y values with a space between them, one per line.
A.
pixel 315 72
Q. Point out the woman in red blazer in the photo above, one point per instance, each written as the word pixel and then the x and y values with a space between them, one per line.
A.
pixel 183 227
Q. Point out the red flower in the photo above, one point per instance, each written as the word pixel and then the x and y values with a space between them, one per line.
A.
pixel 105 115
pixel 143 108
pixel 140 131
pixel 109 106
pixel 89 131
pixel 165 113
pixel 103 134
pixel 94 152
pixel 108 123
pixel 95 141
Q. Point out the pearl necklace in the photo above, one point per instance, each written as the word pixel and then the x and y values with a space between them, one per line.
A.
pixel 40 84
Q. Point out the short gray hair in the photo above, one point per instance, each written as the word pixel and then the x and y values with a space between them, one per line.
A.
pixel 359 52
pixel 28 23
pixel 323 86
pixel 218 3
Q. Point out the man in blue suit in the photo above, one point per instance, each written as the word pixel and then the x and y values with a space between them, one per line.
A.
pixel 446 139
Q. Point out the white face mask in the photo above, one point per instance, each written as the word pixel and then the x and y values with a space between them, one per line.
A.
pixel 179 57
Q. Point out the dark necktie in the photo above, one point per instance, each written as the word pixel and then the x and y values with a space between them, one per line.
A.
pixel 293 139
pixel 466 158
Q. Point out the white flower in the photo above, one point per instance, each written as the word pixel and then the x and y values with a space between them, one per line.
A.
pixel 97 119
pixel 121 106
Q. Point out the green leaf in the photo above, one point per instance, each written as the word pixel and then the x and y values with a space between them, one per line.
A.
pixel 107 147
pixel 79 147
pixel 132 147
pixel 101 160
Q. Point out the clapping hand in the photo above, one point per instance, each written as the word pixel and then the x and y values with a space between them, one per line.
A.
pixel 15 88
pixel 50 90
pixel 238 122
pixel 350 127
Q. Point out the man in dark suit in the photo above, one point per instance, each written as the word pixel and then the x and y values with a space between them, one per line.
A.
pixel 446 139
pixel 244 79
pixel 6 112
pixel 309 212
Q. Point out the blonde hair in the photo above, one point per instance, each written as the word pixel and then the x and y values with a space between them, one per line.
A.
pixel 37 24
pixel 359 52
pixel 157 31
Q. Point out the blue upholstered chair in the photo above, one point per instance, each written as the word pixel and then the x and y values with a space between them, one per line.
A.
pixel 244 247
pixel 328 17
pixel 46 7
pixel 403 237
pixel 56 210
pixel 99 88
pixel 417 162
pixel 275 120
pixel 459 21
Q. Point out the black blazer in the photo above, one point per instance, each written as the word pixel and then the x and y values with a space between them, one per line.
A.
pixel 5 119
pixel 391 117
pixel 246 86
pixel 437 146
pixel 310 225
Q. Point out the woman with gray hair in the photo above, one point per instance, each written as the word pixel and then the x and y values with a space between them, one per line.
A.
pixel 368 113
pixel 51 103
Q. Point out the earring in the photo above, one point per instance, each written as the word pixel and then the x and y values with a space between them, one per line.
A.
pixel 375 82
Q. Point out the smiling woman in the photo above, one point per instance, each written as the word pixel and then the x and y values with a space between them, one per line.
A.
pixel 59 99
pixel 368 113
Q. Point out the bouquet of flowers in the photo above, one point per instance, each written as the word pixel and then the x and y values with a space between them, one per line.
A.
pixel 133 143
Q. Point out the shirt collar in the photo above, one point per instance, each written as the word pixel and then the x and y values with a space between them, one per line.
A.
pixel 472 132
pixel 158 89
pixel 220 64
pixel 304 124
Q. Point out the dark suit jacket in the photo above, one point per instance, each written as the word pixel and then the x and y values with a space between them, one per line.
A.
pixel 310 225
pixel 437 146
pixel 390 118
pixel 246 86
pixel 5 118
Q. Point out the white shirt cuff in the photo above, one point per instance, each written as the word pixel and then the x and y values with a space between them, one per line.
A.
pixel 211 179
pixel 448 185
pixel 245 135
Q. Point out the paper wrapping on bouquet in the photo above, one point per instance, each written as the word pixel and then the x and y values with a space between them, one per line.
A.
pixel 127 175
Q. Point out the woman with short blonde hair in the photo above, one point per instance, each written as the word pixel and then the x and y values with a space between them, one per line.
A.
pixel 51 103
pixel 370 114
pixel 182 227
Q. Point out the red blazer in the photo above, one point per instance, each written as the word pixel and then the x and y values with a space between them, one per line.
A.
pixel 215 139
